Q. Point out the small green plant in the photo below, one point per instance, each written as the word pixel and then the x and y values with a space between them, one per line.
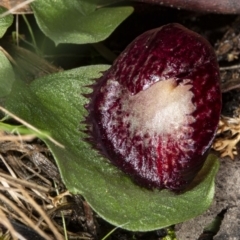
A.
pixel 55 103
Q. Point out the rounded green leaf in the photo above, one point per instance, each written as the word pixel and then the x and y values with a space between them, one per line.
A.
pixel 58 108
pixel 5 22
pixel 7 76
pixel 77 21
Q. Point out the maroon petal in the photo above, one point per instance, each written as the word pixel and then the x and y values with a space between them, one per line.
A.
pixel 155 112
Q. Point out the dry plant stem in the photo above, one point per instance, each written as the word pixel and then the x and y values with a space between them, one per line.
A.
pixel 24 217
pixel 226 88
pixel 28 200
pixel 33 153
pixel 17 138
pixel 233 67
pixel 17 182
pixel 5 184
pixel 6 223
pixel 231 84
pixel 15 8
pixel 8 167
pixel 3 188
pixel 16 193
pixel 30 126
pixel 36 174
pixel 16 217
pixel 43 215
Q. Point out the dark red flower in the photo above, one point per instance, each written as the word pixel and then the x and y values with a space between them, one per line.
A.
pixel 155 112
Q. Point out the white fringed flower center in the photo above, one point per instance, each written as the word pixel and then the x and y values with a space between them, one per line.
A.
pixel 161 109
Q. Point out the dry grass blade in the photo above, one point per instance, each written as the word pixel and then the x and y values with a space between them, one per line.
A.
pixel 30 197
pixel 17 138
pixel 38 132
pixel 17 182
pixel 5 183
pixel 43 215
pixel 17 7
pixel 24 217
pixel 4 221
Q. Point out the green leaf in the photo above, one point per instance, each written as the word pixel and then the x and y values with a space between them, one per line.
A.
pixel 6 71
pixel 77 21
pixel 6 75
pixel 5 22
pixel 58 107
